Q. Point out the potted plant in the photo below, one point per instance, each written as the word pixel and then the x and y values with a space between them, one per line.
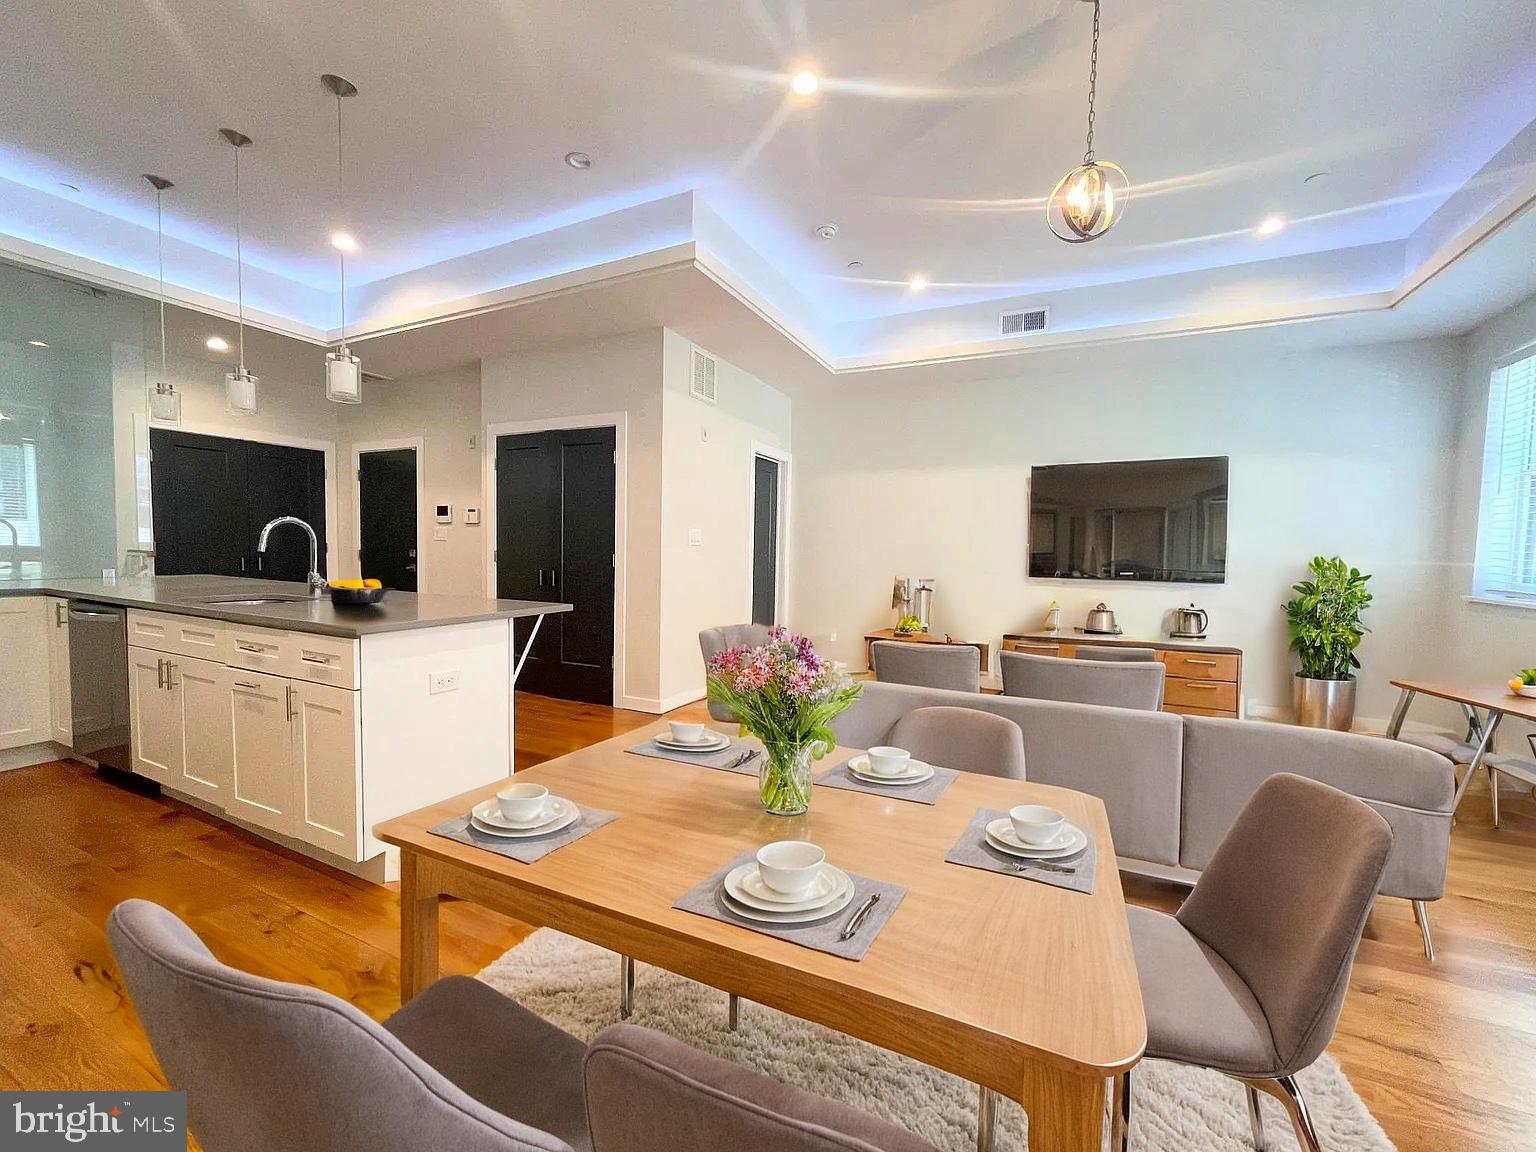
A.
pixel 1325 628
pixel 787 696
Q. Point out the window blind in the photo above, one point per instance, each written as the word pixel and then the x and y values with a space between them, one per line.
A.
pixel 1506 523
pixel 18 494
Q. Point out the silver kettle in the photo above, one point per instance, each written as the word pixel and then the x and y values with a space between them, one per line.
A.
pixel 1189 621
pixel 1101 619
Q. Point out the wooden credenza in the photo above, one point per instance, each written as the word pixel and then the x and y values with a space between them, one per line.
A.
pixel 1202 679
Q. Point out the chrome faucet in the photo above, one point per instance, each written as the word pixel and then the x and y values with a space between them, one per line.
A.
pixel 317 582
pixel 15 565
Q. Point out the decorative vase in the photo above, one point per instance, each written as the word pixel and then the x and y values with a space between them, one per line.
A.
pixel 1324 703
pixel 784 780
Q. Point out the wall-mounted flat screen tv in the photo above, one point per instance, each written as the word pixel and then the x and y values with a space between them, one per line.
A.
pixel 1161 520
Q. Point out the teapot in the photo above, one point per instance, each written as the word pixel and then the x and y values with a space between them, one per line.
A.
pixel 1189 622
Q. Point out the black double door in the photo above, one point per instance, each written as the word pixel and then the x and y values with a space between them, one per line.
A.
pixel 387 511
pixel 212 495
pixel 555 541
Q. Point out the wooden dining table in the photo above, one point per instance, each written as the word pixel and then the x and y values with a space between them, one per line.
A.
pixel 1024 988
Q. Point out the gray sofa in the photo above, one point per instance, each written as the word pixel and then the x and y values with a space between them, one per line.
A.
pixel 1173 785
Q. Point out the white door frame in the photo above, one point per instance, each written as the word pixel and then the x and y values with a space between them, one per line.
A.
pixel 226 432
pixel 418 445
pixel 781 562
pixel 619 422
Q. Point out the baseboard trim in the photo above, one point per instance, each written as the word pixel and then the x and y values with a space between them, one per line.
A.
pixel 658 707
pixel 29 754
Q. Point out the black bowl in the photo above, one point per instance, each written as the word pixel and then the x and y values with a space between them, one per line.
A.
pixel 356 597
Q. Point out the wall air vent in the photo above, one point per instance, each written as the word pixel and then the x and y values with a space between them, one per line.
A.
pixel 705 383
pixel 1022 323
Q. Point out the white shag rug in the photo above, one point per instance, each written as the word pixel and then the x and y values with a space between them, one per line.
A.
pixel 576 986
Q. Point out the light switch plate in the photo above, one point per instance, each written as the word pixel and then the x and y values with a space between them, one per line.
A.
pixel 471 515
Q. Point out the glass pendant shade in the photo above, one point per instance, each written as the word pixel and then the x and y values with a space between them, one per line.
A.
pixel 1088 201
pixel 165 404
pixel 240 392
pixel 343 377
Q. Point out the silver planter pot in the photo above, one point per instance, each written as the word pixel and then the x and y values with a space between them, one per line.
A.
pixel 1324 703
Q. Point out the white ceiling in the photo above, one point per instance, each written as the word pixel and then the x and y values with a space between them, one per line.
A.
pixel 940 126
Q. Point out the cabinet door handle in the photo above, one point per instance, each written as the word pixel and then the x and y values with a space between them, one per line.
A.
pixel 323 660
pixel 257 649
pixel 1211 684
pixel 247 684
pixel 170 669
pixel 59 617
pixel 1202 663
pixel 291 712
pixel 159 673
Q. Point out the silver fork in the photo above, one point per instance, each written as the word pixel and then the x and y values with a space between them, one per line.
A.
pixel 1045 866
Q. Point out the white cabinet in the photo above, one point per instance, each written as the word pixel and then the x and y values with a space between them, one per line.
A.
pixel 155 716
pixel 23 672
pixel 61 724
pixel 326 755
pixel 201 691
pixel 263 787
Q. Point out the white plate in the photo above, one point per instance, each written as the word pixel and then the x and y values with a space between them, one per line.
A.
pixel 713 743
pixel 745 886
pixel 1000 835
pixel 489 812
pixel 916 773
pixel 526 834
pixel 807 916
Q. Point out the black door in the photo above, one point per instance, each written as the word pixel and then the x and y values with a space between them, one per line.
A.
pixel 765 540
pixel 554 541
pixel 386 501
pixel 212 495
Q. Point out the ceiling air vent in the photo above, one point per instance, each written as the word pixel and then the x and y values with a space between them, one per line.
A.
pixel 706 374
pixel 1022 323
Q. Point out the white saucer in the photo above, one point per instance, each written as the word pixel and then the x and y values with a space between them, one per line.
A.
pixel 917 772
pixel 560 813
pixel 805 916
pixel 1000 835
pixel 713 742
pixel 745 885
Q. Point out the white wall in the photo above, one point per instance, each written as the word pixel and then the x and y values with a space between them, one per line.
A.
pixel 1343 450
pixel 443 409
pixel 621 374
pixel 707 480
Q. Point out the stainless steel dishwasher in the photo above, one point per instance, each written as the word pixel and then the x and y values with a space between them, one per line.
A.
pixel 98 682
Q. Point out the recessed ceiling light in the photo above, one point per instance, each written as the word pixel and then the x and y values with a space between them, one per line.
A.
pixel 826 231
pixel 217 344
pixel 38 343
pixel 1270 225
pixel 804 83
pixel 578 160
pixel 344 241
pixel 917 283
pixel 854 265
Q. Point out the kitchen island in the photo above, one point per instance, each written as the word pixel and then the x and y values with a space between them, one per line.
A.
pixel 302 721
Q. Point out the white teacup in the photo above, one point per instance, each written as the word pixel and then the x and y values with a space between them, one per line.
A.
pixel 685 733
pixel 790 867
pixel 885 761
pixel 1035 824
pixel 521 802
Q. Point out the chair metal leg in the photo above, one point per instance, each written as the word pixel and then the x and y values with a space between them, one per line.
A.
pixel 1301 1119
pixel 1125 1111
pixel 1255 1117
pixel 626 987
pixel 733 1014
pixel 1493 793
pixel 986 1120
pixel 1421 914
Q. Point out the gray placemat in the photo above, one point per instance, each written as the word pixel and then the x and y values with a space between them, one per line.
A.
pixel 721 759
pixel 525 851
pixel 925 793
pixel 973 851
pixel 707 899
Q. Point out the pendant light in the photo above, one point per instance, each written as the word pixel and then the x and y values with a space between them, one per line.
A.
pixel 164 400
pixel 343 371
pixel 239 385
pixel 1088 200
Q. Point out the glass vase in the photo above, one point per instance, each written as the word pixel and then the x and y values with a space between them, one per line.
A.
pixel 784 780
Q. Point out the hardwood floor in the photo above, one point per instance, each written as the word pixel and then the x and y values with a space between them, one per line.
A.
pixel 1444 1054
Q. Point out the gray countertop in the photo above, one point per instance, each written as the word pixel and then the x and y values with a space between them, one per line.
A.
pixel 191 596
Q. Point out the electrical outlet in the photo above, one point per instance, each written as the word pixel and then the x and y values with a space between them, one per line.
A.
pixel 439 682
pixel 832 639
pixel 695 537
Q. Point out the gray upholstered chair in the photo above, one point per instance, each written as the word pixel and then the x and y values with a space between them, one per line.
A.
pixel 953 666
pixel 1135 684
pixel 647 1092
pixel 1112 655
pixel 965 739
pixel 1249 976
pixel 713 641
pixel 286 1068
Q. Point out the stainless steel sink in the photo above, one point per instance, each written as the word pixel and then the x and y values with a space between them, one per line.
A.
pixel 251 600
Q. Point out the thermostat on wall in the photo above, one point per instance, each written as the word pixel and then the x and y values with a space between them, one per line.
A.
pixel 445 513
pixel 471 515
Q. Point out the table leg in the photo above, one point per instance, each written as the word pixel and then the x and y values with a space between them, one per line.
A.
pixel 1404 699
pixel 1067 1110
pixel 419 901
pixel 1494 718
